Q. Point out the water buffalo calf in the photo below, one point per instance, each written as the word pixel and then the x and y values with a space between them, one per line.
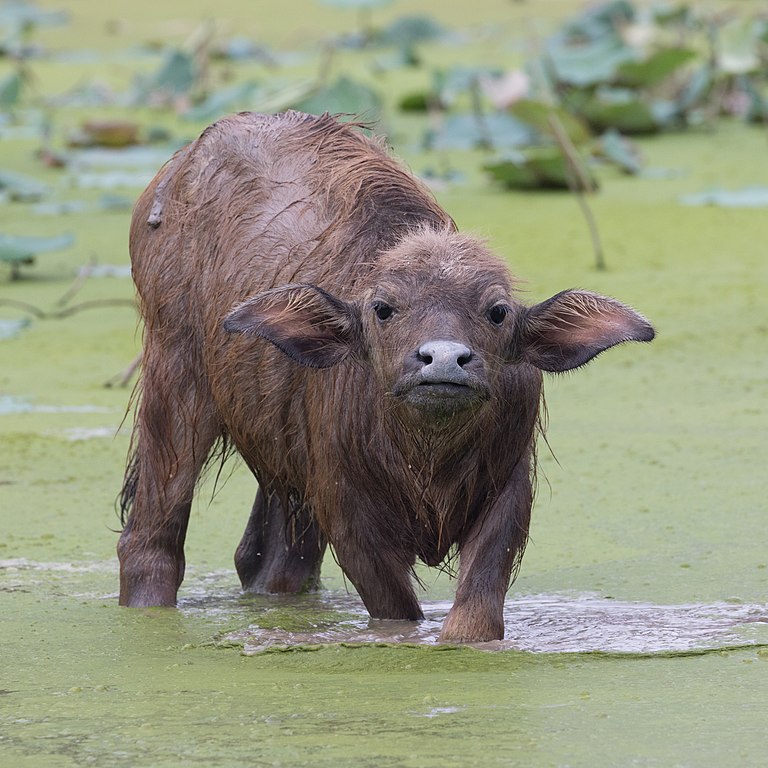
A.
pixel 307 303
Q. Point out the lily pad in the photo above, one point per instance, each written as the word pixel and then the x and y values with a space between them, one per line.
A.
pixel 21 188
pixel 224 100
pixel 468 131
pixel 456 81
pixel 410 30
pixel 622 110
pixel 588 64
pixel 127 157
pixel 112 179
pixel 9 329
pixel 599 20
pixel 175 77
pixel 533 168
pixel 539 116
pixel 655 69
pixel 620 151
pixel 18 250
pixel 23 15
pixel 345 97
pixel 10 90
pixel 749 197
pixel 15 247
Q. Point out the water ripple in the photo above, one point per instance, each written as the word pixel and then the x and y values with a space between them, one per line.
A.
pixel 552 623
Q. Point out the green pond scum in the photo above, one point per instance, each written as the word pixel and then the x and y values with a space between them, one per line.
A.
pixel 637 630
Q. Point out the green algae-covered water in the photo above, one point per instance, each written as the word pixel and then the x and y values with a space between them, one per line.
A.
pixel 637 631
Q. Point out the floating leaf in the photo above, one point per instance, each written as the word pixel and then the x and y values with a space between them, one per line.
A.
pixel 539 116
pixel 23 15
pixel 410 30
pixel 595 62
pixel 9 329
pixel 107 203
pixel 533 168
pixel 620 151
pixel 176 75
pixel 655 69
pixel 225 100
pixel 127 157
pixel 598 21
pixel 279 97
pixel 175 78
pixel 450 84
pixel 242 49
pixel 61 208
pixel 113 179
pixel 18 250
pixel 468 131
pixel 696 90
pixel 749 197
pixel 346 97
pixel 21 188
pixel 10 90
pixel 15 247
pixel 621 110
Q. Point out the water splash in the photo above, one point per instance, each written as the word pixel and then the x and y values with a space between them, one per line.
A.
pixel 543 623
pixel 554 623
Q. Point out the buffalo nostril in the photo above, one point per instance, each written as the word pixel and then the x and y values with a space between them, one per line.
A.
pixel 424 358
pixel 444 355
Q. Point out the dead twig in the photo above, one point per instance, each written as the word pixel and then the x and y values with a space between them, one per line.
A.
pixel 30 308
pixel 93 304
pixel 121 379
pixel 82 276
pixel 73 310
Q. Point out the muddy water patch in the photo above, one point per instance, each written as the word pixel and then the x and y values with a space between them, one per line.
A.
pixel 553 623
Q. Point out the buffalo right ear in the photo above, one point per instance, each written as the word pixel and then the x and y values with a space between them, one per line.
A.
pixel 307 323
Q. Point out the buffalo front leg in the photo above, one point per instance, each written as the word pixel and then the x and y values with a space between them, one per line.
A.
pixel 377 563
pixel 488 555
pixel 280 553
pixel 173 433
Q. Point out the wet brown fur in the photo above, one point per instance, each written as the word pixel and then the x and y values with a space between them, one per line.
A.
pixel 257 203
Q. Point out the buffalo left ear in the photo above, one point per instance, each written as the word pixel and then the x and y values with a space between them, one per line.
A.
pixel 572 327
pixel 307 323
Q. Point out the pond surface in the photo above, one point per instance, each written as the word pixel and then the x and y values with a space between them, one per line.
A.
pixel 637 631
pixel 229 679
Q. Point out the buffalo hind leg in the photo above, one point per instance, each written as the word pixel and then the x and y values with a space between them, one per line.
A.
pixel 279 553
pixel 174 432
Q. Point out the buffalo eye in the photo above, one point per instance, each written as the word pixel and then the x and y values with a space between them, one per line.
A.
pixel 497 313
pixel 383 311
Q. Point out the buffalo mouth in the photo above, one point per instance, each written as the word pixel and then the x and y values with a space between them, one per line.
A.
pixel 440 397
